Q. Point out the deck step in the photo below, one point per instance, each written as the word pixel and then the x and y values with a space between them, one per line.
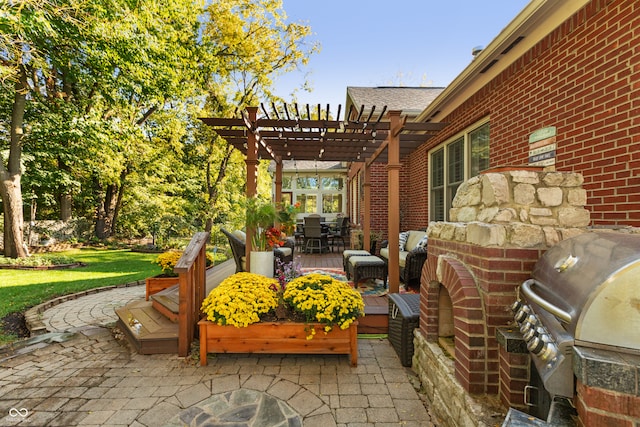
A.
pixel 166 302
pixel 376 315
pixel 148 331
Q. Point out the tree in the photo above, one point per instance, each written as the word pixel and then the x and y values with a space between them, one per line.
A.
pixel 250 43
pixel 28 30
pixel 101 70
pixel 111 115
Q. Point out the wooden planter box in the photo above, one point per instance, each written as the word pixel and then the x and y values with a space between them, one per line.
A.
pixel 277 337
pixel 157 284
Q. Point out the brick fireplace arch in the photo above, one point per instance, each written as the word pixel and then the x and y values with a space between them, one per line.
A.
pixel 469 325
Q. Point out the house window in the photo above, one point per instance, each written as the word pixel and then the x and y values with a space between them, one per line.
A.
pixel 318 193
pixel 455 167
pixel 479 150
pixel 332 203
pixel 454 162
pixel 286 183
pixel 332 183
pixel 308 203
pixel 307 183
pixel 437 185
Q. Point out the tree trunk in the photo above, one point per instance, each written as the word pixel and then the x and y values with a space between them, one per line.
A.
pixel 13 216
pixel 105 211
pixel 65 206
pixel 212 187
pixel 64 195
pixel 10 175
pixel 118 202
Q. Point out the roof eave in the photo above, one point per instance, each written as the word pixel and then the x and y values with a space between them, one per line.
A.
pixel 533 23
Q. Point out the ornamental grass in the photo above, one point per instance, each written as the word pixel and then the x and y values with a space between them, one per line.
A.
pixel 246 298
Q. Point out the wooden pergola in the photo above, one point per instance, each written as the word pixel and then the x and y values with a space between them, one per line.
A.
pixel 312 134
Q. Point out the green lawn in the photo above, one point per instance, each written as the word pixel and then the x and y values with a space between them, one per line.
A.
pixel 22 289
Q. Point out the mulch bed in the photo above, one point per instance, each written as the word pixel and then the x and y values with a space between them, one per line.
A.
pixel 14 324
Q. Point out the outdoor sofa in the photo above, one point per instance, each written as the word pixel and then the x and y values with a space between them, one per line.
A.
pixel 237 240
pixel 413 254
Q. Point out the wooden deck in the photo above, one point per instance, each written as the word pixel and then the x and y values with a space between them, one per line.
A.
pixel 151 325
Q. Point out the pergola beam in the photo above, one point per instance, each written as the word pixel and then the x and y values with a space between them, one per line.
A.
pixel 359 137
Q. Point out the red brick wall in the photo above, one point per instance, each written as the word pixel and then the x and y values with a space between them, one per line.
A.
pixel 514 376
pixel 413 194
pixel 605 408
pixel 414 201
pixel 379 198
pixel 584 78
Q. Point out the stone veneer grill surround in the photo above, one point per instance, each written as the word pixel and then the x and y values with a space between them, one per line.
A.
pixel 501 224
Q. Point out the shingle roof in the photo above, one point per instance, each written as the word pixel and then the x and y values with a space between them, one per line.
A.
pixel 407 99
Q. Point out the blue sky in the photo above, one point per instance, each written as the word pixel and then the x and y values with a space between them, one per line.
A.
pixel 390 43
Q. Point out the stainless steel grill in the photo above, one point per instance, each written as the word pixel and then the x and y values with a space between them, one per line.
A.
pixel 585 291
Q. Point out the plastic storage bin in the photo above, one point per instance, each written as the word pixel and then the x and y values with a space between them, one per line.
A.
pixel 404 316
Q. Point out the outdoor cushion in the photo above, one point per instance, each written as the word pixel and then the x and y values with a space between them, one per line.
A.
pixel 286 251
pixel 384 252
pixel 402 240
pixel 240 235
pixel 423 242
pixel 414 237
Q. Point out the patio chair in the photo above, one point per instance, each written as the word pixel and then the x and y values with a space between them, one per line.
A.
pixel 237 242
pixel 299 236
pixel 313 234
pixel 337 236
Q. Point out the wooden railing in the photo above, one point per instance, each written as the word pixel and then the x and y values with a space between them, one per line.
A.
pixel 191 269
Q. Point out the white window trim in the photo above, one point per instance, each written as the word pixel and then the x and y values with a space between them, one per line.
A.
pixel 467 161
pixel 318 192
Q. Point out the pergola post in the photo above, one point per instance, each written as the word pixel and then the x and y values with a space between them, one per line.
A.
pixel 393 171
pixel 252 176
pixel 278 180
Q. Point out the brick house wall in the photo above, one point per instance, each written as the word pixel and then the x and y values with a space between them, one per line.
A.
pixel 583 78
pixel 413 194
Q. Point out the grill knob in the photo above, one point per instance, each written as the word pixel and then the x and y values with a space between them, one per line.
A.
pixel 522 313
pixel 525 327
pixel 529 334
pixel 530 323
pixel 533 332
pixel 536 345
pixel 516 306
pixel 548 352
pixel 532 319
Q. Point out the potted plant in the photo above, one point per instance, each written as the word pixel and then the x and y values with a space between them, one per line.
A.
pixel 374 236
pixel 260 217
pixel 241 316
pixel 287 217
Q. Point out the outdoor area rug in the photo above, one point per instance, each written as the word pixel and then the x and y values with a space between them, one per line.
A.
pixel 369 287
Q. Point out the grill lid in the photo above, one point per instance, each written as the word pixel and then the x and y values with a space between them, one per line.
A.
pixel 591 283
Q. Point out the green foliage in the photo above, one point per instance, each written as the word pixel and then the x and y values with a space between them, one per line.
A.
pixel 260 216
pixel 111 118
